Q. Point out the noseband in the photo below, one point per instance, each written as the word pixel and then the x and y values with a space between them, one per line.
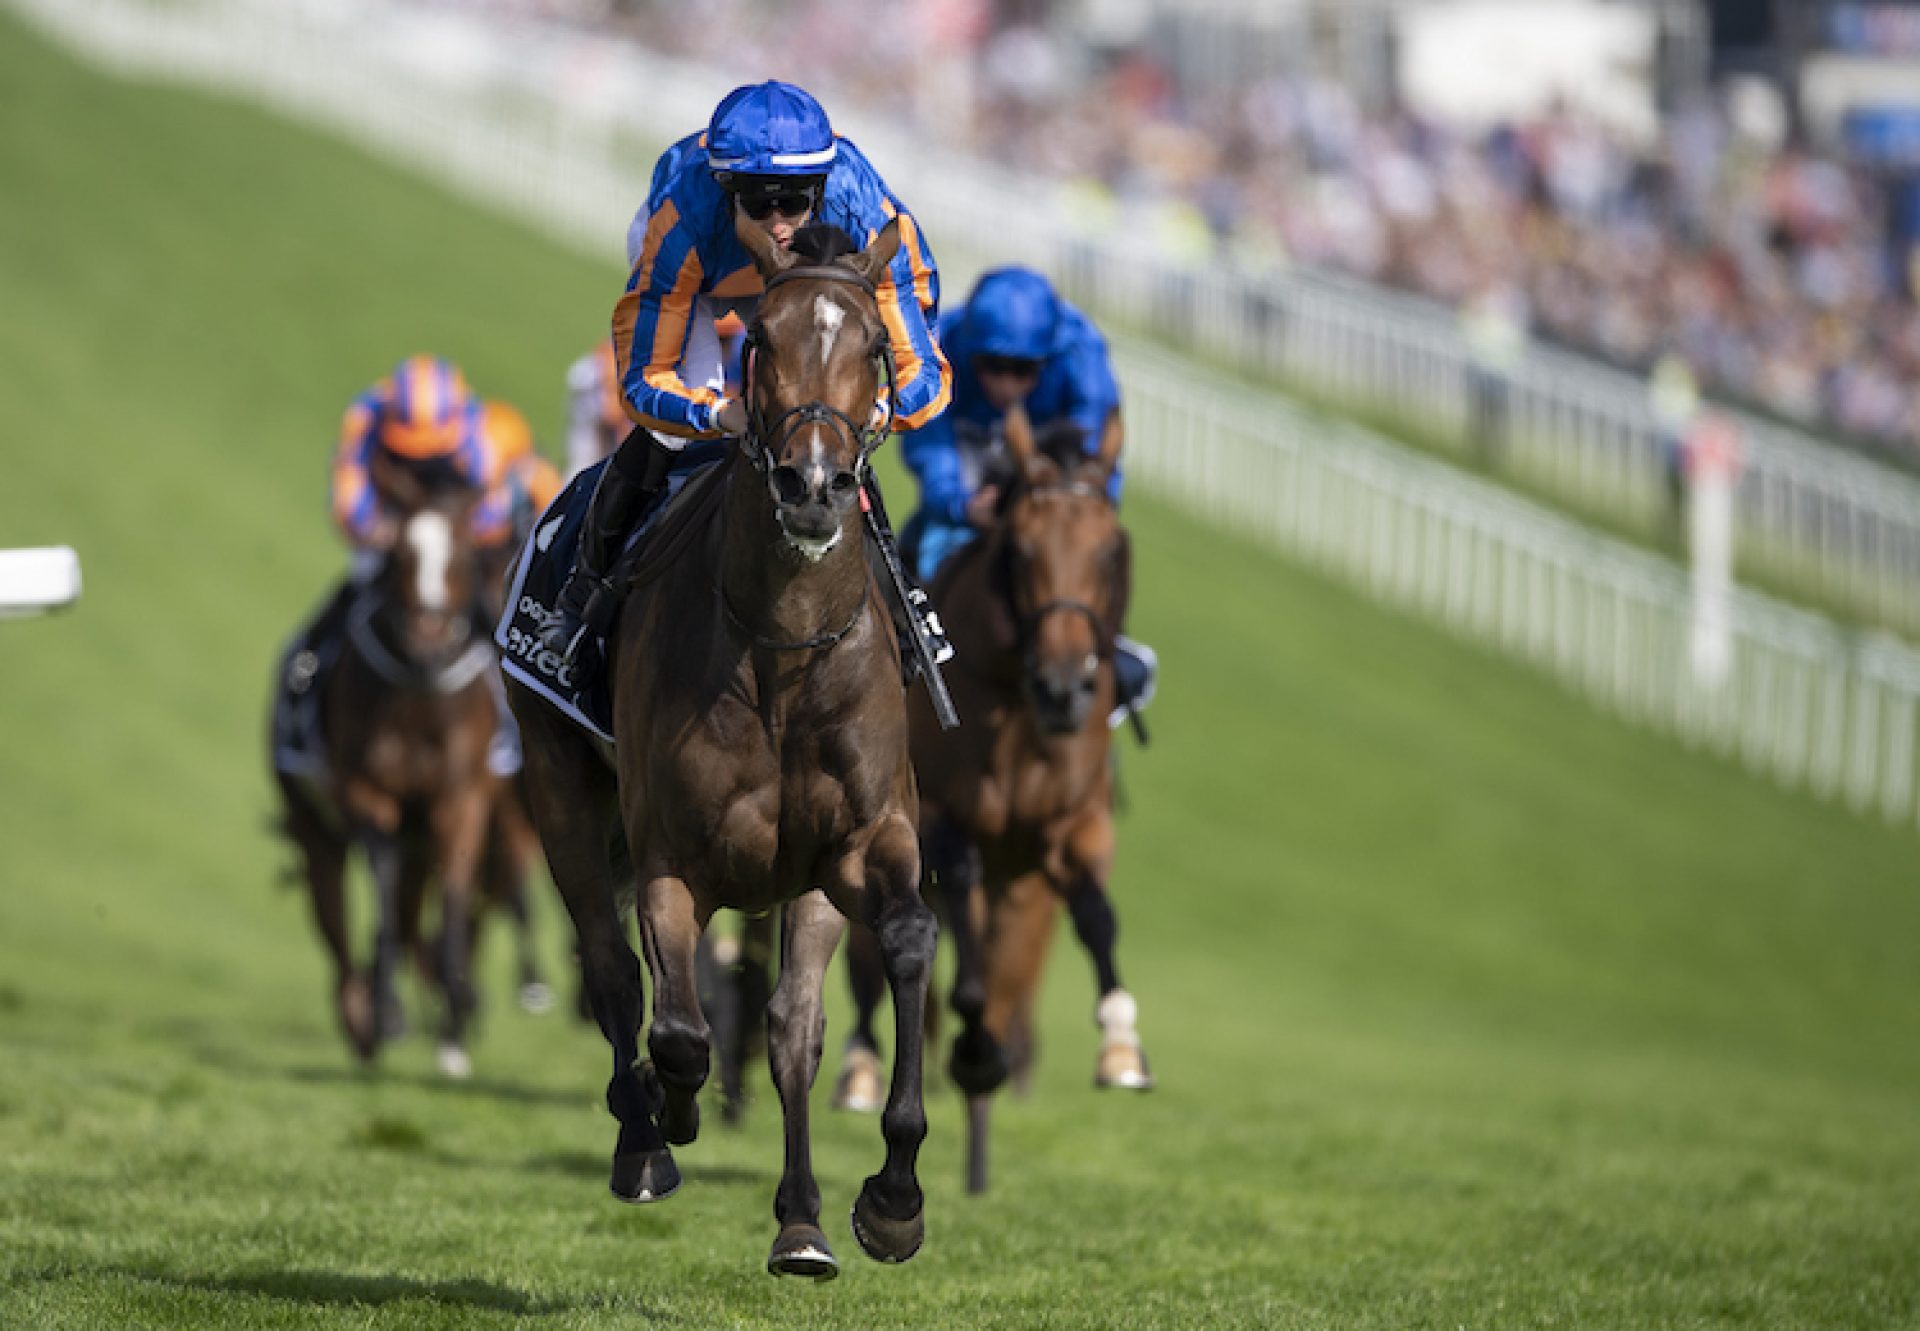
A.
pixel 764 439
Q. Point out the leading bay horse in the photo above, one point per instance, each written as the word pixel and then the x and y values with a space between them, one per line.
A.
pixel 409 716
pixel 760 760
pixel 1017 805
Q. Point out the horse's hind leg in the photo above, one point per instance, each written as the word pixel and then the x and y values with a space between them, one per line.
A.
pixel 796 1029
pixel 977 1064
pixel 571 796
pixel 679 1040
pixel 860 1085
pixel 747 985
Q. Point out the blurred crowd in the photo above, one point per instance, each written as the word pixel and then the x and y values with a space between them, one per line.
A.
pixel 1768 269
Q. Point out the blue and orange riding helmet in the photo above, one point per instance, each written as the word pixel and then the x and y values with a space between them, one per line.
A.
pixel 429 410
pixel 769 138
pixel 1013 314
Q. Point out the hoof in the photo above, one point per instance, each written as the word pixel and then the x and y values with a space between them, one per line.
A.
pixel 801 1250
pixel 860 1089
pixel 884 1239
pixel 650 1176
pixel 453 1062
pixel 1123 1067
pixel 978 1066
pixel 355 1002
pixel 536 998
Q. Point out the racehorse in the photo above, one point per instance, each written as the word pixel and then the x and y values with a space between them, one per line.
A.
pixel 760 758
pixel 409 716
pixel 1016 806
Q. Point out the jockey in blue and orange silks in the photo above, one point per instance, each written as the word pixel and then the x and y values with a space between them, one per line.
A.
pixel 769 156
pixel 1015 341
pixel 424 418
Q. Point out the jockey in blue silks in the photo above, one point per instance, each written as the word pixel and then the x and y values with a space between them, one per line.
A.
pixel 771 157
pixel 1015 341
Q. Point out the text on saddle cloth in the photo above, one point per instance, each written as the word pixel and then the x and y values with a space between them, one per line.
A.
pixel 541 571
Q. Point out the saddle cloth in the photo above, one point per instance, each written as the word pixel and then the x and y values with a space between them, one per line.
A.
pixel 541 571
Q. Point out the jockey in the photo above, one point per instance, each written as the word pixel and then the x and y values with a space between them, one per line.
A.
pixel 425 419
pixel 769 155
pixel 1014 341
pixel 596 410
pixel 520 483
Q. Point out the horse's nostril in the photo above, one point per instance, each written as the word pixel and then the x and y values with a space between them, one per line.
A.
pixel 844 482
pixel 788 485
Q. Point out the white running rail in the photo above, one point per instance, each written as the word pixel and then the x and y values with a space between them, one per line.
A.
pixel 534 121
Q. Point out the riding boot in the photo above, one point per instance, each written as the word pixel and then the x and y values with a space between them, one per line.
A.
pixel 631 483
pixel 1136 676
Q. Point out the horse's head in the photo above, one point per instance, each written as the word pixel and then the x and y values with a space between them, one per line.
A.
pixel 817 362
pixel 432 575
pixel 1065 565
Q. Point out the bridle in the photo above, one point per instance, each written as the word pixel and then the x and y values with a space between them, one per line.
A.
pixel 1027 624
pixel 764 439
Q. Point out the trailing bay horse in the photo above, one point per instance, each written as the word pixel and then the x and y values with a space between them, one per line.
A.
pixel 409 717
pixel 760 760
pixel 1016 809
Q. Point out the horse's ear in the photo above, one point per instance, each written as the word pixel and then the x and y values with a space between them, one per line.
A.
pixel 762 248
pixel 871 262
pixel 1017 430
pixel 1112 439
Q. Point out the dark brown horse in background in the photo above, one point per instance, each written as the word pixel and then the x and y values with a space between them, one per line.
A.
pixel 1016 809
pixel 760 760
pixel 410 714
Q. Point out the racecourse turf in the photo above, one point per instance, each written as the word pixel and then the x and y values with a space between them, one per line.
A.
pixel 1470 1006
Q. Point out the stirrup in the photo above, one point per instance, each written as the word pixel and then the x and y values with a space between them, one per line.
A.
pixel 921 606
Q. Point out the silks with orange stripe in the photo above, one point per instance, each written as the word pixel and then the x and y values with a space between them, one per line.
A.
pixel 688 249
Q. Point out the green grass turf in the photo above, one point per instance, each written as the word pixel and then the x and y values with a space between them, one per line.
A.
pixel 1470 1006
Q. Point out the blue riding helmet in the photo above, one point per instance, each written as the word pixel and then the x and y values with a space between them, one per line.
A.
pixel 1013 312
pixel 769 131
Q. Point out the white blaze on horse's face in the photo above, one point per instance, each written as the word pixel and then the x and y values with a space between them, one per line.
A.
pixel 430 534
pixel 827 318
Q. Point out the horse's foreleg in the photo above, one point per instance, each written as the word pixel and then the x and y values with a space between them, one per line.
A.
pixel 887 1216
pixel 1089 856
pixel 796 1029
pixel 571 797
pixel 381 845
pixel 679 1040
pixel 324 852
pixel 460 831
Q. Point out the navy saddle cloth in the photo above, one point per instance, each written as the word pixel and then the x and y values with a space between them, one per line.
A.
pixel 541 571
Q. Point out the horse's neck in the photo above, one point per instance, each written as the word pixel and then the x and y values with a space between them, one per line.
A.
pixel 777 591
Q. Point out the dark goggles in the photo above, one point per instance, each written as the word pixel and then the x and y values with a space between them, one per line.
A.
pixel 1011 367
pixel 760 207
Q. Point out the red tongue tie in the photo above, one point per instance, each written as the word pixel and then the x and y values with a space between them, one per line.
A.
pixel 866 504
